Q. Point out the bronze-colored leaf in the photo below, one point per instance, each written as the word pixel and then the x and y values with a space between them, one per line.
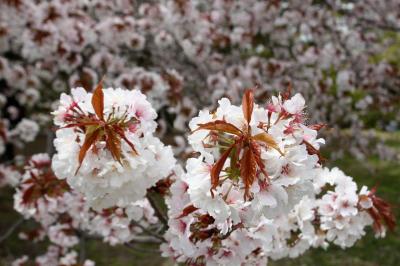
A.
pixel 381 212
pixel 377 225
pixel 205 220
pixel 31 194
pixel 98 100
pixel 221 126
pixel 386 213
pixel 90 138
pixel 113 144
pixel 121 133
pixel 248 104
pixel 255 147
pixel 202 235
pixel 217 168
pixel 187 210
pixel 317 127
pixel 313 151
pixel 248 170
pixel 268 140
pixel 288 92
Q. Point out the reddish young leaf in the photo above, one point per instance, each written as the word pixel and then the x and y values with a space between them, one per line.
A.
pixel 267 140
pixel 248 104
pixel 221 126
pixel 386 213
pixel 28 181
pixel 381 211
pixel 56 188
pixel 313 151
pixel 377 225
pixel 317 127
pixel 98 100
pixel 186 211
pixel 109 211
pixel 90 138
pixel 113 144
pixel 257 157
pixel 288 92
pixel 217 168
pixel 30 194
pixel 248 170
pixel 162 186
pixel 205 220
pixel 202 235
pixel 121 133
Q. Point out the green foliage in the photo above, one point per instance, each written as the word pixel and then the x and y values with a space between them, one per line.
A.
pixel 392 52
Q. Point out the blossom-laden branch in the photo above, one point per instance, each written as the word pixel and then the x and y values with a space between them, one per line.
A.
pixel 66 220
pixel 108 133
pixel 340 58
pixel 242 140
pixel 298 205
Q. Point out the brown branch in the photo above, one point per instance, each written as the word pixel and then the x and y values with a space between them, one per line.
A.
pixel 148 231
pixel 159 213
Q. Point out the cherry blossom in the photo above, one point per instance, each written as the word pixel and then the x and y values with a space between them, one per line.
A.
pixel 224 215
pixel 106 148
pixel 175 73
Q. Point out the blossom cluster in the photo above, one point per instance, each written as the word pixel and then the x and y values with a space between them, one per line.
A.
pixel 23 132
pixel 9 176
pixel 106 148
pixel 257 177
pixel 258 190
pixel 63 215
pixel 59 212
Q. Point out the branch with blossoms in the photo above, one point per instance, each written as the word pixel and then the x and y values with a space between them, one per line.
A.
pixel 257 189
pixel 250 199
pixel 63 217
pixel 247 168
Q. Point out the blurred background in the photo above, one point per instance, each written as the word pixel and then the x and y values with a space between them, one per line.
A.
pixel 343 56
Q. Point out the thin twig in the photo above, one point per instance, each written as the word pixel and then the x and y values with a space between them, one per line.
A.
pixel 148 231
pixel 146 240
pixel 82 249
pixel 11 229
pixel 235 227
pixel 157 210
pixel 49 142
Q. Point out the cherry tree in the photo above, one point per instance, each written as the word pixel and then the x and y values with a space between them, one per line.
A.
pixel 166 154
pixel 257 189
